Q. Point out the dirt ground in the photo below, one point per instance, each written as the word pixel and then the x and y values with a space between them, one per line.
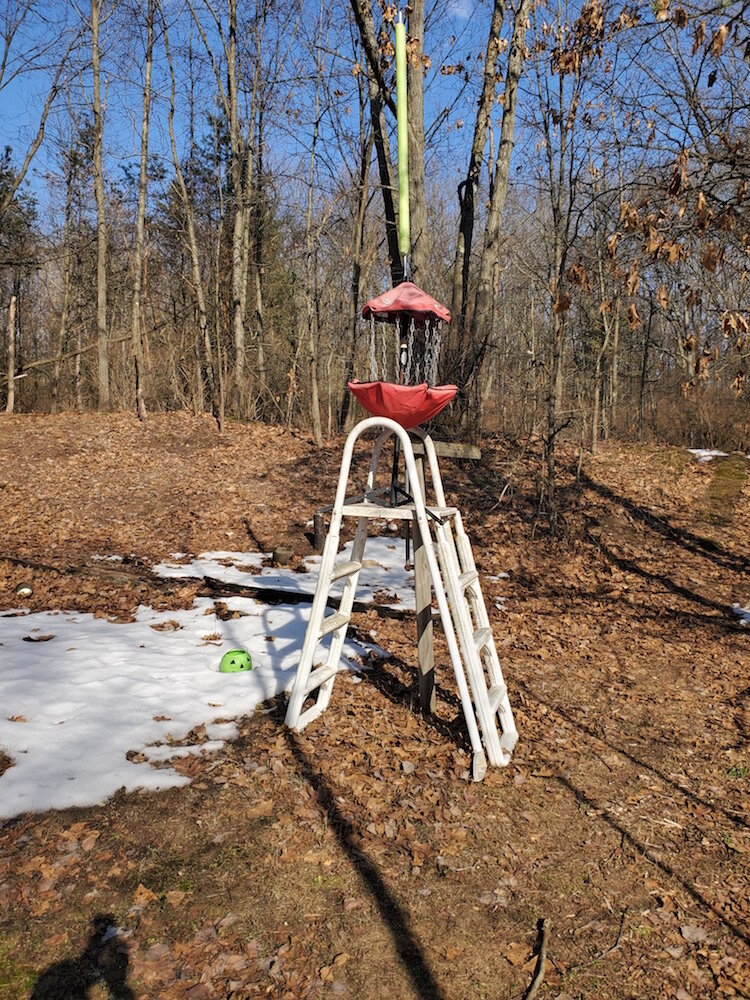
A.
pixel 356 859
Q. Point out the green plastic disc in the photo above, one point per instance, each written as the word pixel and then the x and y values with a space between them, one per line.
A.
pixel 235 661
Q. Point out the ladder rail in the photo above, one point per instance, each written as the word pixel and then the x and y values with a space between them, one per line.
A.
pixel 465 560
pixel 295 718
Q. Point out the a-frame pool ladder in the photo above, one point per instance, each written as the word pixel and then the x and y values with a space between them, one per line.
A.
pixel 455 584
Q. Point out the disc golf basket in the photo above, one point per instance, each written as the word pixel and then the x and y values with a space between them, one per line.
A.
pixel 443 560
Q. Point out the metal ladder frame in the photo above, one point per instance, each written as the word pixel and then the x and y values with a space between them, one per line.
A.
pixel 453 563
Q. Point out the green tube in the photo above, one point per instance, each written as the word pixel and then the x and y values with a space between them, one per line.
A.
pixel 403 141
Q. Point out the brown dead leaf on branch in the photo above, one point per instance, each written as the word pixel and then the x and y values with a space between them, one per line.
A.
pixel 679 173
pixel 718 39
pixel 712 256
pixel 700 34
pixel 634 319
pixel 634 279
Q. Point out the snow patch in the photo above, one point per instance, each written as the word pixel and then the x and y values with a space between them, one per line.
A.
pixel 382 573
pixel 72 707
pixel 742 613
pixel 706 454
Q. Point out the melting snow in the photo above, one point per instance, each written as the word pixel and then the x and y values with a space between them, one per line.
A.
pixel 72 706
pixel 742 613
pixel 706 454
pixel 382 573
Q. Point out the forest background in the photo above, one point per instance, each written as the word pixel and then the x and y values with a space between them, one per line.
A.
pixel 197 197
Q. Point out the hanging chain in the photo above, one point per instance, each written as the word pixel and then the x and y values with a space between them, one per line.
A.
pixel 432 352
pixel 383 335
pixel 373 358
pixel 409 352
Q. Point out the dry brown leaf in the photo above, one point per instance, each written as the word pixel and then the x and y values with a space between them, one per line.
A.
pixel 144 896
pixel 262 808
pixel 516 952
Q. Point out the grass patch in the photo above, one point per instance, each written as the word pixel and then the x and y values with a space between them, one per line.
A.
pixel 725 488
pixel 13 976
pixel 672 459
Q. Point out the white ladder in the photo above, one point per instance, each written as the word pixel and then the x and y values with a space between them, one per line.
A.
pixel 460 602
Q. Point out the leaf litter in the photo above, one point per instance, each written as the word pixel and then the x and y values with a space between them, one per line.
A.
pixel 615 819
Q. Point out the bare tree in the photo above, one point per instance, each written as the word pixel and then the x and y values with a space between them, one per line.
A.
pixel 140 219
pixel 14 62
pixel 11 397
pixel 212 366
pixel 101 210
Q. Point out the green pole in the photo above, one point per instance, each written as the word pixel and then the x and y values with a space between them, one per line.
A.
pixel 403 140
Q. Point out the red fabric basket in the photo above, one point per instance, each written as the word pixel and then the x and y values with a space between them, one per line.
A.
pixel 408 405
pixel 406 300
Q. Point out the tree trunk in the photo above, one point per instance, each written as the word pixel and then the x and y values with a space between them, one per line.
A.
pixel 309 283
pixel 467 189
pixel 140 224
pixel 213 371
pixel 615 376
pixel 241 163
pixel 64 314
pixel 366 138
pixel 11 397
pixel 482 316
pixel 421 244
pixel 378 97
pixel 259 253
pixel 644 370
pixel 101 221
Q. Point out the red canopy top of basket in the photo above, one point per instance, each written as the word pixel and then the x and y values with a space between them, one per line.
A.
pixel 408 405
pixel 406 301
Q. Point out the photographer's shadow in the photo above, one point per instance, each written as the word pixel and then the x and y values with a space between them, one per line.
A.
pixel 103 961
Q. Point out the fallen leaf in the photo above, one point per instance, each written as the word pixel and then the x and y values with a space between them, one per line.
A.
pixel 144 896
pixel 516 952
pixel 262 808
pixel 88 842
pixel 693 935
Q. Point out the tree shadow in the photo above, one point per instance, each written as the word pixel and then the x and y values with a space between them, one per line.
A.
pixel 680 536
pixel 612 821
pixel 398 692
pixel 103 961
pixel 393 914
pixel 638 761
pixel 631 566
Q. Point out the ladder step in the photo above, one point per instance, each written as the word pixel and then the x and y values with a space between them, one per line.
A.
pixel 481 637
pixel 320 676
pixel 496 694
pixel 468 578
pixel 405 511
pixel 333 622
pixel 343 569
